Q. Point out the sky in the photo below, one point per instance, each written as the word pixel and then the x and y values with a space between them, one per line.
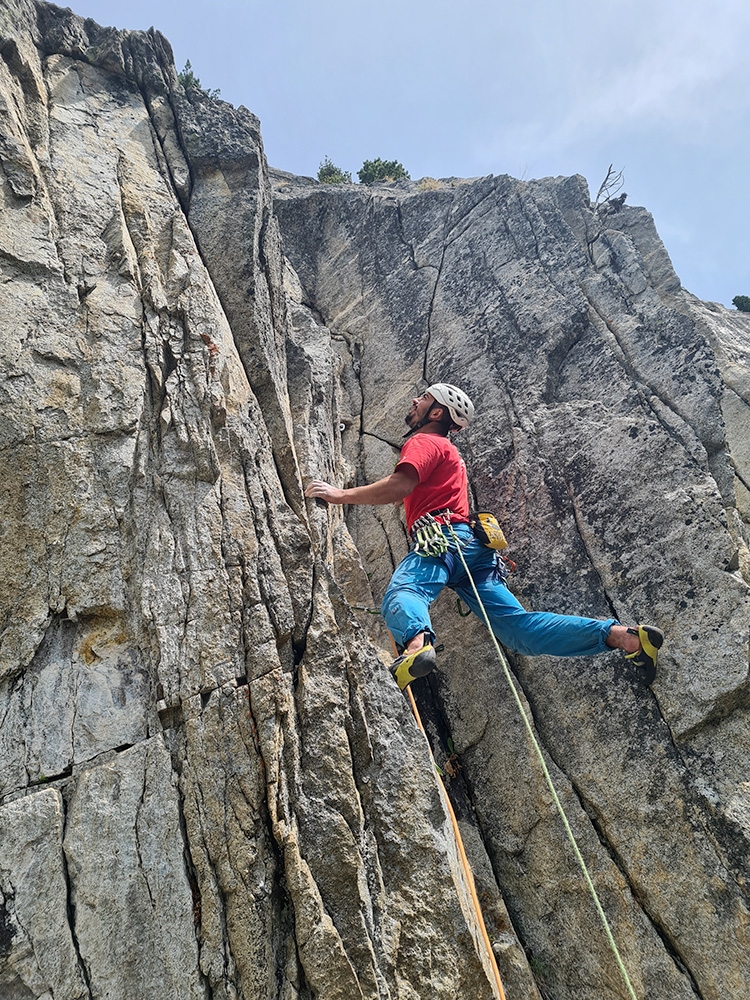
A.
pixel 660 89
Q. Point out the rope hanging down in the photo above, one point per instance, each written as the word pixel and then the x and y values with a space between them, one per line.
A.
pixel 461 851
pixel 547 776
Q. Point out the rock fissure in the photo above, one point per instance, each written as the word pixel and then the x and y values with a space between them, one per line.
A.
pixel 393 444
pixel 595 818
pixel 541 256
pixel 137 842
pixel 191 872
pixel 185 198
pixel 70 906
pixel 596 564
pixel 589 810
pixel 460 788
pixel 430 308
pixel 17 918
pixel 393 556
pixel 406 243
pixel 451 224
pixel 47 780
pixel 742 478
pixel 75 693
pixel 720 852
pixel 321 320
pixel 643 383
pixel 220 910
pixel 157 133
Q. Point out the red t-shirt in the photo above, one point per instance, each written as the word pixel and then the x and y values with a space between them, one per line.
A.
pixel 442 477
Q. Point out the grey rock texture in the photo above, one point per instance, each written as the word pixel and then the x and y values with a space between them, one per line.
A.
pixel 612 440
pixel 210 785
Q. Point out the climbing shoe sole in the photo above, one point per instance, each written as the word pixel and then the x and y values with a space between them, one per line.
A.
pixel 412 665
pixel 651 639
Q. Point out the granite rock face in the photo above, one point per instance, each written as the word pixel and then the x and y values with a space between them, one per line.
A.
pixel 211 787
pixel 611 440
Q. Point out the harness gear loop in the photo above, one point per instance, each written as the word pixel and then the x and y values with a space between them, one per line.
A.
pixel 548 777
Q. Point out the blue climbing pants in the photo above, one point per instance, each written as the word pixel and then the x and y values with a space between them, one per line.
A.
pixel 418 580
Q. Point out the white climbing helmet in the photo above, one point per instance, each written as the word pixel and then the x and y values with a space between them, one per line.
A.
pixel 459 405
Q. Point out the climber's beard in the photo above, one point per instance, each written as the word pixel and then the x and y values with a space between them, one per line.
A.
pixel 419 409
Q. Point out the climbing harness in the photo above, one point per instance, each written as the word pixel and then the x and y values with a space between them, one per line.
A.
pixel 547 776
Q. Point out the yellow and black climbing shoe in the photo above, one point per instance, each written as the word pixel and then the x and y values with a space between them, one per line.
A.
pixel 412 665
pixel 651 639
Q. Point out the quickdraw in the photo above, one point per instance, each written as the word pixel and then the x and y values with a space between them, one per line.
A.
pixel 427 537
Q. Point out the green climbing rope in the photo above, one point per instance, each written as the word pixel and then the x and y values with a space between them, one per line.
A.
pixel 547 776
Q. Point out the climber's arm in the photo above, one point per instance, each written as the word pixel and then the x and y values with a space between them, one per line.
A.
pixel 391 489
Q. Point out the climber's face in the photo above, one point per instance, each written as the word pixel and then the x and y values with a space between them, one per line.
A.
pixel 420 407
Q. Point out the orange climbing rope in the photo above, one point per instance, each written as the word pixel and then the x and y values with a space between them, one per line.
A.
pixel 462 854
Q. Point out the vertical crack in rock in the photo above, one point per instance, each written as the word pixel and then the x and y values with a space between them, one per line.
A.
pixel 595 563
pixel 357 371
pixel 658 918
pixel 7 931
pixel 430 310
pixel 409 246
pixel 361 753
pixel 70 901
pixel 564 347
pixel 282 451
pixel 459 787
pixel 137 840
pixel 453 221
pixel 449 226
pixel 596 821
pixel 536 227
pixel 393 557
pixel 219 893
pixel 641 380
pixel 745 482
pixel 670 945
pixel 191 874
pixel 158 131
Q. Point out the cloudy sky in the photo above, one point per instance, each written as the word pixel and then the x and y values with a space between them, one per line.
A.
pixel 659 88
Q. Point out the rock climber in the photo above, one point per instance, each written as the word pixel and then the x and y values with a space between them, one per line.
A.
pixel 430 478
